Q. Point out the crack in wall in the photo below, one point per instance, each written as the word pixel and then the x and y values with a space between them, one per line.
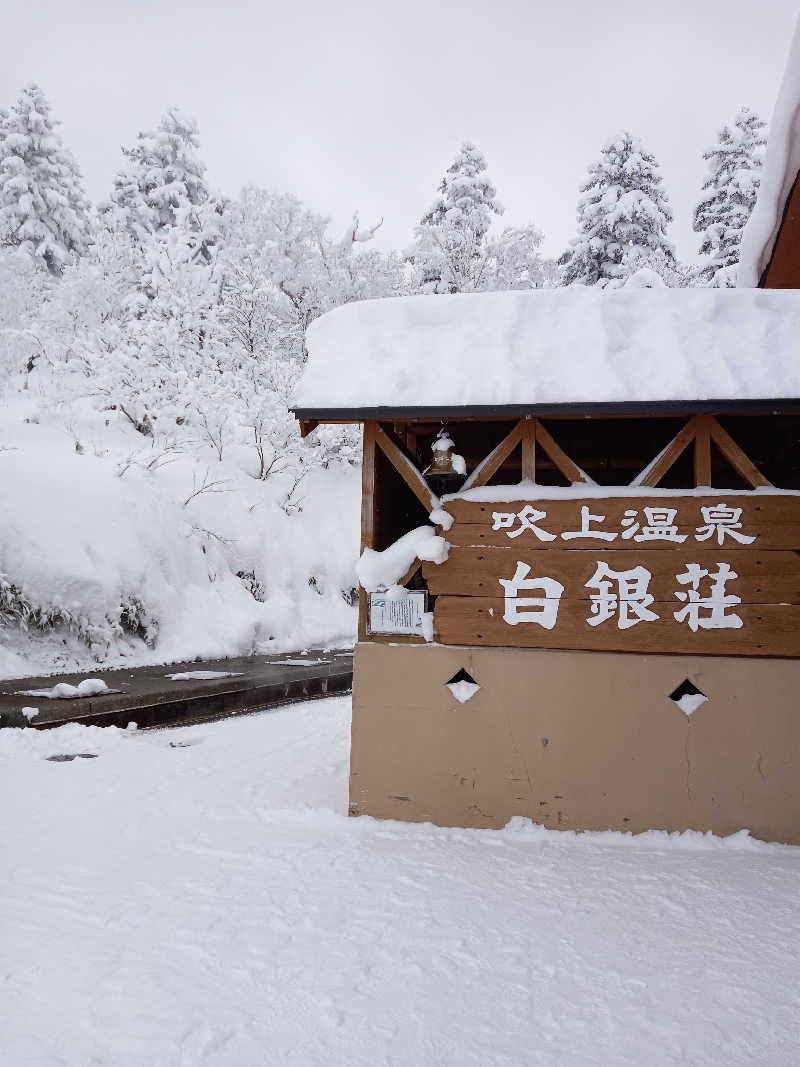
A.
pixel 519 756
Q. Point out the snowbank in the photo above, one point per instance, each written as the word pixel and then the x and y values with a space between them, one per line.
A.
pixel 103 560
pixel 781 165
pixel 555 346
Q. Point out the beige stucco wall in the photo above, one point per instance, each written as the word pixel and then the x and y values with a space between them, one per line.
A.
pixel 576 740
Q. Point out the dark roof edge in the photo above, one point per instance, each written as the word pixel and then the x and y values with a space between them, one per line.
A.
pixel 776 406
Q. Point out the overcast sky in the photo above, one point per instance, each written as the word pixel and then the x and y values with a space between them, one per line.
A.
pixel 363 104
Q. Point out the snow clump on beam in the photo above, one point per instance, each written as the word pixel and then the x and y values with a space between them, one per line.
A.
pixel 382 570
pixel 573 345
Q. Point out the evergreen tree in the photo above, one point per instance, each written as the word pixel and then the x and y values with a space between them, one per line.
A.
pixel 729 195
pixel 43 208
pixel 468 197
pixel 452 233
pixel 623 209
pixel 162 180
pixel 454 251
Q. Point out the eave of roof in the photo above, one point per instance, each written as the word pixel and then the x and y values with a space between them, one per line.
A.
pixel 605 409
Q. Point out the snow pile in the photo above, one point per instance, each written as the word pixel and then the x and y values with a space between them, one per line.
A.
pixel 202 676
pixel 463 690
pixel 781 166
pixel 381 570
pixel 113 551
pixel 690 702
pixel 442 518
pixel 258 924
pixel 89 687
pixel 574 345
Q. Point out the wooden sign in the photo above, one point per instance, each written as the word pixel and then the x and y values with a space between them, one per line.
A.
pixel 696 575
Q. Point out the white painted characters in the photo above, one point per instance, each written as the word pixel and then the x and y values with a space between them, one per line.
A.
pixel 709 612
pixel 723 521
pixel 585 531
pixel 626 597
pixel 630 601
pixel 528 517
pixel 659 524
pixel 539 609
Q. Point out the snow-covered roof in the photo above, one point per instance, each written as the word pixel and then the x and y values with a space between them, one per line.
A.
pixel 781 164
pixel 577 345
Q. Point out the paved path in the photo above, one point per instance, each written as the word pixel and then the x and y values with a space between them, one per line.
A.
pixel 149 697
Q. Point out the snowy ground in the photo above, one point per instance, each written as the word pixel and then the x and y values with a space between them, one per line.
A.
pixel 198 896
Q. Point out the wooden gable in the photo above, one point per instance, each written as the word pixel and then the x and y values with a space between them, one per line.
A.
pixel 783 270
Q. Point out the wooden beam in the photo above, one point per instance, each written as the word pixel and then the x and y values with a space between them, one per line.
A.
pixel 406 469
pixel 308 426
pixel 655 471
pixel 411 440
pixel 529 450
pixel 367 514
pixel 570 470
pixel 740 462
pixel 496 458
pixel 702 453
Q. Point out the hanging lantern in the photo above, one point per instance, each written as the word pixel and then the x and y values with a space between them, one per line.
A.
pixel 447 472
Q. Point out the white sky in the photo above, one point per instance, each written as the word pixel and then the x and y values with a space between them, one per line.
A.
pixel 363 103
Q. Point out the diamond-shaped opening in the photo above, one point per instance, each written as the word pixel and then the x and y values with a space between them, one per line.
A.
pixel 688 697
pixel 463 686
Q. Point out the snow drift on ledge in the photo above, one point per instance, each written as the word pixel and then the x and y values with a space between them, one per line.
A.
pixel 781 165
pixel 555 346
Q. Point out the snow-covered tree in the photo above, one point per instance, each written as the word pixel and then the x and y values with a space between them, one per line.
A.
pixel 162 179
pixel 667 271
pixel 282 269
pixel 43 208
pixel 451 235
pixel 623 209
pixel 455 251
pixel 729 195
pixel 468 197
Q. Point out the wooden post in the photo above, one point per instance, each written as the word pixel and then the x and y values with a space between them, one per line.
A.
pixel 702 453
pixel 367 514
pixel 529 450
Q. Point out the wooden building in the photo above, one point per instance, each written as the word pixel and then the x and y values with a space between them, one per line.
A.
pixel 612 640
pixel 598 625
